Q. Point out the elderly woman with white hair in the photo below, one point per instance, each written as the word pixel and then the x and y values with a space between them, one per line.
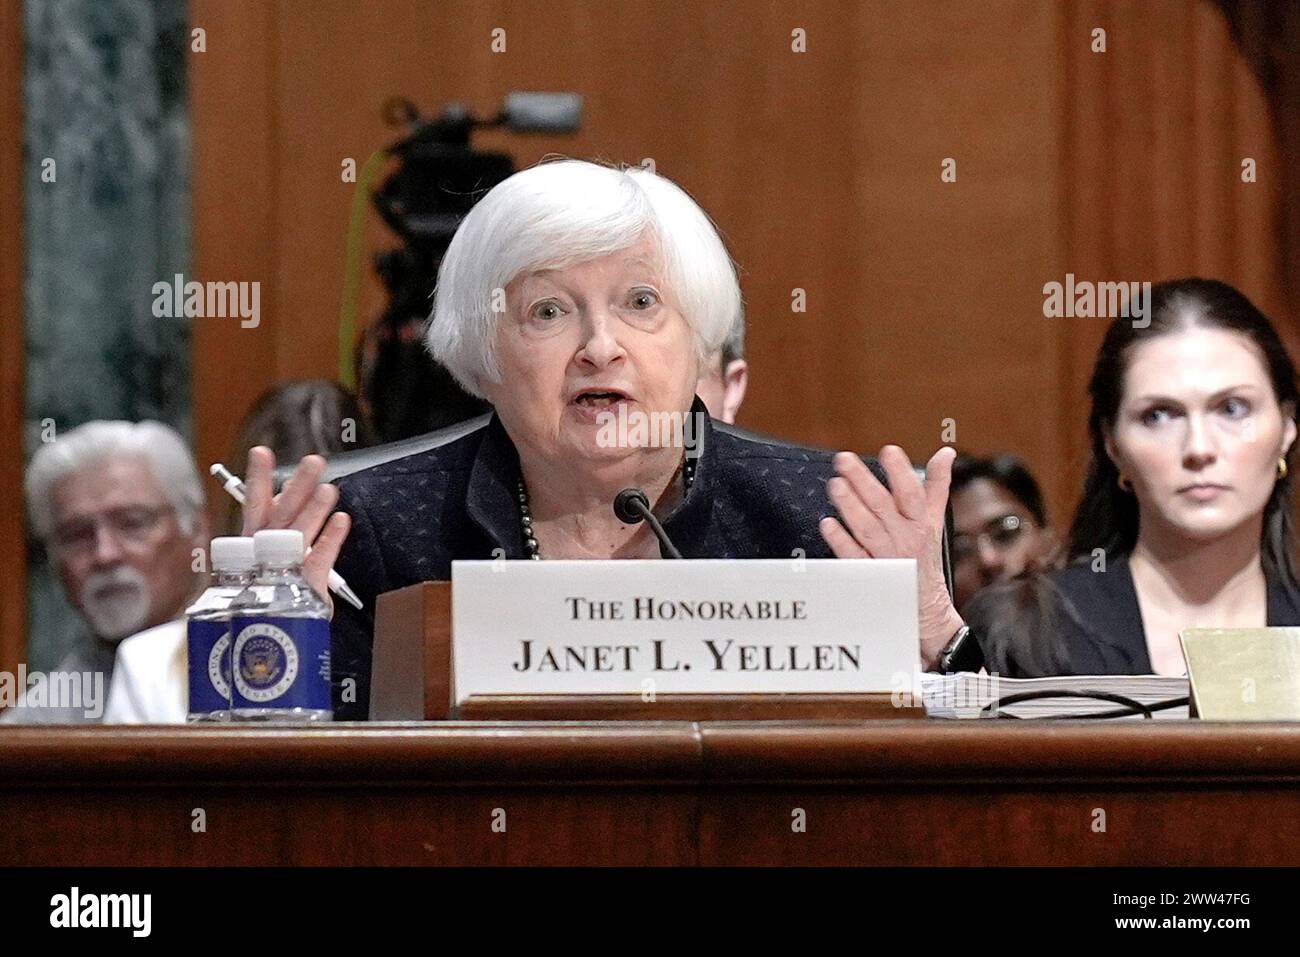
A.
pixel 575 298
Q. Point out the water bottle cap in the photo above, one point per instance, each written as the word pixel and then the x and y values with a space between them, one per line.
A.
pixel 232 554
pixel 278 546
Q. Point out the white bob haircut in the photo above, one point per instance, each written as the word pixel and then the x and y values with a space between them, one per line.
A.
pixel 560 214
pixel 93 443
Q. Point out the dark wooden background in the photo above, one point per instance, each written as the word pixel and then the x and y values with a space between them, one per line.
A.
pixel 822 169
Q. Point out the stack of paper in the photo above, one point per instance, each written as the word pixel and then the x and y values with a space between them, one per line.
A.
pixel 965 695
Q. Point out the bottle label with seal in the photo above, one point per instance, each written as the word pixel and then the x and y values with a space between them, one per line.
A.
pixel 209 665
pixel 280 662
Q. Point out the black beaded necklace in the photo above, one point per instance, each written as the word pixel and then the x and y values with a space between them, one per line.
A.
pixel 526 518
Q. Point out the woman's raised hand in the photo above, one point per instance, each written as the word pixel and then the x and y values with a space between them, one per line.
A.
pixel 902 521
pixel 304 503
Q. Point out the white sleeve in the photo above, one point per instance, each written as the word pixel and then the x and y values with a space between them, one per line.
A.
pixel 124 707
pixel 150 679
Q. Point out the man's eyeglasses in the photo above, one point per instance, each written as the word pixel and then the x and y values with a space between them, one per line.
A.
pixel 130 525
pixel 1000 534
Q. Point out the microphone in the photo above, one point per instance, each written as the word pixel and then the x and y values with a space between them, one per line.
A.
pixel 632 506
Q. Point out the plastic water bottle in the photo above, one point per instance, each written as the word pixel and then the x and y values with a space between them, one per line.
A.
pixel 208 629
pixel 280 638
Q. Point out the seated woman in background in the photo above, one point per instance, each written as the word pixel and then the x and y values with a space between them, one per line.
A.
pixel 1186 514
pixel 299 418
pixel 999 524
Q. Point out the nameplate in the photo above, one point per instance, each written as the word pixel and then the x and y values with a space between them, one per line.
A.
pixel 706 626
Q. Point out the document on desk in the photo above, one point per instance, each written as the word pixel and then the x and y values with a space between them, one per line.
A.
pixel 966 695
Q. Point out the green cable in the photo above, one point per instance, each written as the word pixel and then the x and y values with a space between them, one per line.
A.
pixel 352 269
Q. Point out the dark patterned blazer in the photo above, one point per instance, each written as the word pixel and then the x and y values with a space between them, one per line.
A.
pixel 1077 621
pixel 752 497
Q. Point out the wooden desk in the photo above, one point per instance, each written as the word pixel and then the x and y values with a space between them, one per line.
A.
pixel 879 792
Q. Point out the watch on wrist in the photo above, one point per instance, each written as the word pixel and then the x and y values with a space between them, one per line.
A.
pixel 962 653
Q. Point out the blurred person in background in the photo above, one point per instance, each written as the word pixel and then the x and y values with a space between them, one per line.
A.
pixel 120 507
pixel 726 376
pixel 295 419
pixel 1000 526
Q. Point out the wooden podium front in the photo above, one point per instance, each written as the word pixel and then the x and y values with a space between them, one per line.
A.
pixel 411 680
pixel 633 793
pixel 636 792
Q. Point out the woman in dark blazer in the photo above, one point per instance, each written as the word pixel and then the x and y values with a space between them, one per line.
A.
pixel 580 301
pixel 1186 518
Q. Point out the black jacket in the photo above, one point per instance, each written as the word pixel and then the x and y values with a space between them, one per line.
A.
pixel 752 497
pixel 1076 621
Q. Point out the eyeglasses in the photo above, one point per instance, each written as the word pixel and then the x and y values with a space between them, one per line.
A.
pixel 1000 534
pixel 131 525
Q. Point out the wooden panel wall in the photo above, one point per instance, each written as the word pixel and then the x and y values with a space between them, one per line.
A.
pixel 822 169
pixel 1153 136
pixel 13 543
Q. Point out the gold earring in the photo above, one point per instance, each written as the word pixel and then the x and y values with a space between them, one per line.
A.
pixel 1124 483
pixel 1281 468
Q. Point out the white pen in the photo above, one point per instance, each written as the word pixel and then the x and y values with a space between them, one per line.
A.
pixel 235 486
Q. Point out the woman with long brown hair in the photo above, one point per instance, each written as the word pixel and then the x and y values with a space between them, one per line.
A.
pixel 1186 518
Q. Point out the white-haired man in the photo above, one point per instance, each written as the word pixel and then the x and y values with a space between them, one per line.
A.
pixel 120 507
